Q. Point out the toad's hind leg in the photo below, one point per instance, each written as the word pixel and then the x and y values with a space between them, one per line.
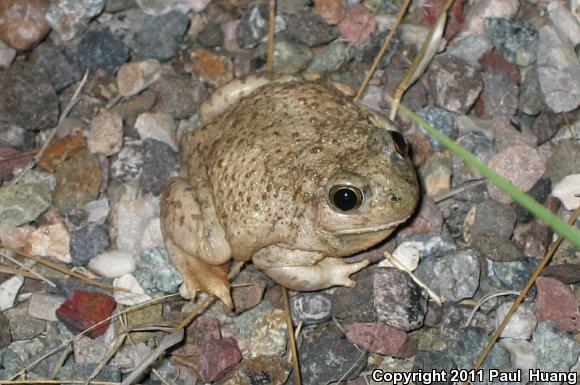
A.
pixel 194 239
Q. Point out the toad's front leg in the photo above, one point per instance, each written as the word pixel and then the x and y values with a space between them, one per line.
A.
pixel 305 270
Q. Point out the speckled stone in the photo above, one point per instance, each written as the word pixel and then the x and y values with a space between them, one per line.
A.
pixel 531 99
pixel 329 58
pixel 70 17
pixel 512 275
pixel 102 49
pixel 564 161
pixel 128 163
pixel 515 40
pixel 522 323
pixel 155 272
pixel 158 37
pixel 465 350
pixel 289 56
pixel 22 22
pixel 443 121
pixel 500 94
pixel 268 335
pixel 310 308
pixel 430 244
pixel 87 242
pixel 74 371
pixel 481 147
pixel 59 64
pixel 22 203
pixel 311 29
pixel 159 162
pixel 555 350
pixel 22 326
pixel 178 95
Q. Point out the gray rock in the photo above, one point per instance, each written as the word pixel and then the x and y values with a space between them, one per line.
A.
pixel 311 29
pixel 514 40
pixel 555 350
pixel 69 17
pixel 454 321
pixel 178 95
pixel 428 361
pixel 88 242
pixel 159 162
pixel 59 64
pixel 253 27
pixel 158 37
pixel 22 203
pixel 546 125
pixel 23 326
pixel 564 161
pixel 5 338
pixel 470 49
pixel 211 36
pixel 496 247
pixel 102 49
pixel 512 275
pixel 399 301
pixel 430 244
pixel 155 272
pixel 540 192
pixel 73 371
pixel 494 217
pixel 15 136
pixel 454 276
pixel 289 56
pixel 482 148
pixel 330 58
pixel 310 308
pixel 343 298
pixel 558 70
pixel 128 163
pixel 500 94
pixel 531 97
pixel 443 121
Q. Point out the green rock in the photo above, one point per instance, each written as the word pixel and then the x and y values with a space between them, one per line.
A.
pixel 22 203
pixel 155 271
pixel 330 58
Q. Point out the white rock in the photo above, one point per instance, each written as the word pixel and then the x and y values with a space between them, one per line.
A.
pixel 137 294
pixel 521 325
pixel 50 241
pixel 113 264
pixel 134 77
pixel 564 21
pixel 575 9
pixel 9 291
pixel 407 254
pixel 98 211
pixel 522 353
pixel 198 5
pixel 568 191
pixel 152 235
pixel 14 236
pixel 160 126
pixel 474 20
pixel 7 55
pixel 161 7
pixel 43 306
pixel 106 134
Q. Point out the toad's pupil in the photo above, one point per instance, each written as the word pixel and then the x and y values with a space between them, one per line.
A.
pixel 400 143
pixel 345 199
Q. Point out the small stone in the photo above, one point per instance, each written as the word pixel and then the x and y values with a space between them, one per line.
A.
pixel 546 125
pixel 471 49
pixel 443 121
pixel 69 17
pixel 533 238
pixel 160 161
pixel 564 161
pixel 311 29
pixel 5 338
pixel 134 77
pixel 9 290
pixel 43 306
pixel 509 133
pixel 253 27
pixel 431 244
pixel 135 294
pixel 158 37
pixel 268 336
pixel 217 357
pixel 86 309
pixel 476 16
pixel 406 254
pixel 567 273
pixel 22 23
pixel 161 7
pixel 59 64
pixel 521 352
pixel 243 324
pixel 521 165
pixel 421 147
pixel 435 174
pixel 113 264
pixel 357 24
pixel 428 219
pixel 415 96
pixel 148 315
pixel 78 180
pixel 568 191
pixel 97 211
pixel 27 99
pixel 329 58
pixel 342 298
pixel 557 303
pixel 132 107
pixel 74 371
pixel 330 10
pixel 155 272
pixel 399 301
pixel 455 84
pixel 531 97
pixel 270 370
pixel 427 361
pixel 558 71
pixel 431 9
pixel 9 166
pixel 454 276
pixel 87 242
pixel 22 326
pixel 521 324
pixel 478 145
pixel 7 55
pixel 247 297
pixel 465 350
pixel 50 241
pixel 102 49
pixel 127 164
pixel 500 94
pixel 15 136
pixel 492 217
pixel 202 329
pixel 106 135
pixel 210 66
pixel 564 21
pixel 555 350
pixel 59 151
pixel 311 308
pixel 159 126
pixel 514 40
pixel 512 275
pixel 289 56
pixel 380 339
pixel 211 36
pixel 178 95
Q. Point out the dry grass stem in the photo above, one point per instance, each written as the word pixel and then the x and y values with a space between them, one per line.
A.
pixel 484 300
pixel 26 268
pixel 459 190
pixel 291 338
pixel 18 155
pixel 271 35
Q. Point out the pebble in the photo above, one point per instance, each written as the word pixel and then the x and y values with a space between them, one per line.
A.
pixel 43 306
pixel 8 167
pixel 15 136
pixel 59 63
pixel 134 77
pixel 87 242
pixel 61 150
pixel 406 254
pixel 500 95
pixel 5 338
pixel 273 370
pixel 521 352
pixel 564 21
pixel 152 236
pixel 158 37
pixel 512 275
pixel 491 219
pixel 155 272
pixel 161 7
pixel 268 335
pixel 112 264
pixel 519 164
pixel 522 323
pixel 243 324
pixel 435 174
pixel 217 357
pixel 106 135
pixel 178 95
pixel 558 70
pixel 85 309
pixel 330 10
pixel 211 36
pixel 399 302
pixel 568 191
pixel 357 25
pixel 555 350
pixel 557 303
pixel 253 27
pixel 160 161
pixel 9 290
pixel 546 125
pixel 147 315
pixel 470 49
pixel 564 161
pixel 481 147
pixel 97 211
pixel 454 83
pixel 160 126
pixel 27 99
pixel 531 99
pixel 289 56
pixel 514 40
pixel 429 360
pixel 476 15
pixel 342 298
pixel 533 238
pixel 136 294
pixel 74 371
pixel 210 66
pixel 78 180
pixel 443 121
pixel 22 23
pixel 311 29
pixel 50 241
pixel 454 276
pixel 22 326
pixel 7 55
pixel 431 244
pixel 102 49
pixel 245 296
pixel 465 350
pixel 19 353
pixel 127 164
pixel 70 17
pixel 380 339
pixel 310 308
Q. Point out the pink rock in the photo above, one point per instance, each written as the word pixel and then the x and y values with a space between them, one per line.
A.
pixel 357 25
pixel 22 22
pixel 203 329
pixel 505 9
pixel 431 9
pixel 217 357
pixel 7 166
pixel 330 10
pixel 556 302
pixel 381 339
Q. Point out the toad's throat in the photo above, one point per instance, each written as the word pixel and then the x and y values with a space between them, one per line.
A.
pixel 370 229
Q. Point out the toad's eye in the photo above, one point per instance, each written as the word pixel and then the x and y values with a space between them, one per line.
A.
pixel 345 198
pixel 400 143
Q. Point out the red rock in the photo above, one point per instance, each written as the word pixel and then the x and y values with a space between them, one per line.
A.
pixel 493 60
pixel 330 10
pixel 431 9
pixel 203 329
pixel 556 302
pixel 381 339
pixel 217 358
pixel 357 25
pixel 22 22
pixel 7 166
pixel 84 310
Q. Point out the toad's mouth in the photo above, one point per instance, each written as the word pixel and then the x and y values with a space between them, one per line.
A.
pixel 370 229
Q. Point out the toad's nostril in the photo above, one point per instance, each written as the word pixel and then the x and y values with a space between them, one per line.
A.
pixel 394 198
